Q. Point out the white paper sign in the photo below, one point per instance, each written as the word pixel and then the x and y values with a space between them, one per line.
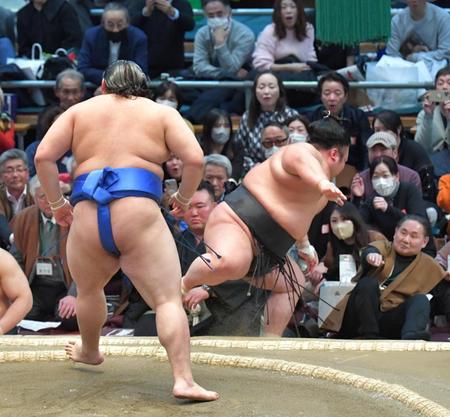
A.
pixel 44 268
pixel 347 268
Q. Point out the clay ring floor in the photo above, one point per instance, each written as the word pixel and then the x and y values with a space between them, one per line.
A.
pixel 255 377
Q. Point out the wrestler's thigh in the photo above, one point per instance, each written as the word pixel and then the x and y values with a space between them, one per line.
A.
pixel 151 262
pixel 89 264
pixel 276 282
pixel 231 243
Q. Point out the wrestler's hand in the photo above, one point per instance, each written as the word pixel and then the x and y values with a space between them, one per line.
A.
pixel 309 255
pixel 332 192
pixel 375 259
pixel 64 215
pixel 194 297
pixel 66 307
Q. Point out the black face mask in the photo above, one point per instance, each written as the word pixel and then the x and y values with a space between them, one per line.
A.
pixel 117 36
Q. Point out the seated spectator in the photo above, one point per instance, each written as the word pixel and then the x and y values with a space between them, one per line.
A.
pixel 15 295
pixel 390 299
pixel 420 32
pixel 236 311
pixel 286 47
pixel 173 168
pixel 114 39
pixel 69 88
pixel 392 199
pixel 165 24
pixel 6 127
pixel 51 23
pixel 409 153
pixel 267 104
pixel 298 128
pixel 221 50
pixel 333 89
pixel 381 144
pixel 83 10
pixel 40 249
pixel 6 50
pixel 440 303
pixel 218 172
pixel 433 129
pixel 8 24
pixel 217 137
pixel 169 94
pixel 45 120
pixel 14 192
pixel 273 137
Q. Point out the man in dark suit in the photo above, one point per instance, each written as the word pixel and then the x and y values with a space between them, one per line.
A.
pixel 165 22
pixel 114 39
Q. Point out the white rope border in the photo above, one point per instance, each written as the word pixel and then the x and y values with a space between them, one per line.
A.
pixel 410 399
pixel 256 343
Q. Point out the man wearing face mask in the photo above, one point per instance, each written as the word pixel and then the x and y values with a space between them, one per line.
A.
pixel 221 50
pixel 114 39
pixel 273 137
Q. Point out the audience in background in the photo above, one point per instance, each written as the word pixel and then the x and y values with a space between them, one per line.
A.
pixel 14 192
pixel 267 104
pixel 51 23
pixel 40 248
pixel 218 138
pixel 222 49
pixel 333 89
pixel 433 129
pixel 114 39
pixel 165 24
pixel 217 172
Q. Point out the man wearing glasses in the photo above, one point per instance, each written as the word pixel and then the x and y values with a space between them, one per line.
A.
pixel 14 193
pixel 273 137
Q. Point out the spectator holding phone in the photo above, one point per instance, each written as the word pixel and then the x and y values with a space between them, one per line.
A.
pixel 433 128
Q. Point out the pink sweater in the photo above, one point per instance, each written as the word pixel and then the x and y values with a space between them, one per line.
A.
pixel 270 48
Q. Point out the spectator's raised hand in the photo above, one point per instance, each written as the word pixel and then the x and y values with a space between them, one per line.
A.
pixel 375 259
pixel 357 187
pixel 428 106
pixel 163 5
pixel 149 7
pixel 379 203
pixel 220 35
pixel 446 109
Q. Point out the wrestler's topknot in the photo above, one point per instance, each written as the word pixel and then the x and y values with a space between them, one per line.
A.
pixel 126 78
pixel 327 133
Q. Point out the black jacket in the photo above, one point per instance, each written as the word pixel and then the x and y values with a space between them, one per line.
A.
pixel 357 125
pixel 55 26
pixel 166 37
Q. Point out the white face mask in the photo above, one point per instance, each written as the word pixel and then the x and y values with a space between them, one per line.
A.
pixel 269 152
pixel 297 138
pixel 168 103
pixel 217 22
pixel 220 135
pixel 385 186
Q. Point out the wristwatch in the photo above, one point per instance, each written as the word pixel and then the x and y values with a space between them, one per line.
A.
pixel 208 289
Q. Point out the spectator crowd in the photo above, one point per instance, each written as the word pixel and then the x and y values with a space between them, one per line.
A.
pixel 394 227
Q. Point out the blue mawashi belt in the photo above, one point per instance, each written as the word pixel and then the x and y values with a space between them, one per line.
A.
pixel 108 184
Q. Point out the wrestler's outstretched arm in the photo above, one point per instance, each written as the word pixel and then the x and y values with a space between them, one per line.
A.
pixel 14 285
pixel 181 141
pixel 306 163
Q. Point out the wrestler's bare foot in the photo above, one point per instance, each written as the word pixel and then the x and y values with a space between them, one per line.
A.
pixel 75 352
pixel 193 392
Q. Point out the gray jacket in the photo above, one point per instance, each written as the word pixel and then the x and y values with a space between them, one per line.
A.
pixel 228 59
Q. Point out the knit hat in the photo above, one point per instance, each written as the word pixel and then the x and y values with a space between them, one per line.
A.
pixel 383 138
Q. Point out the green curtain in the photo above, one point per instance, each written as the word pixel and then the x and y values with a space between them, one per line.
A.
pixel 349 22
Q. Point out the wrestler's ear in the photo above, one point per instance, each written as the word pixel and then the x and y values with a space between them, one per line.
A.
pixel 334 154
